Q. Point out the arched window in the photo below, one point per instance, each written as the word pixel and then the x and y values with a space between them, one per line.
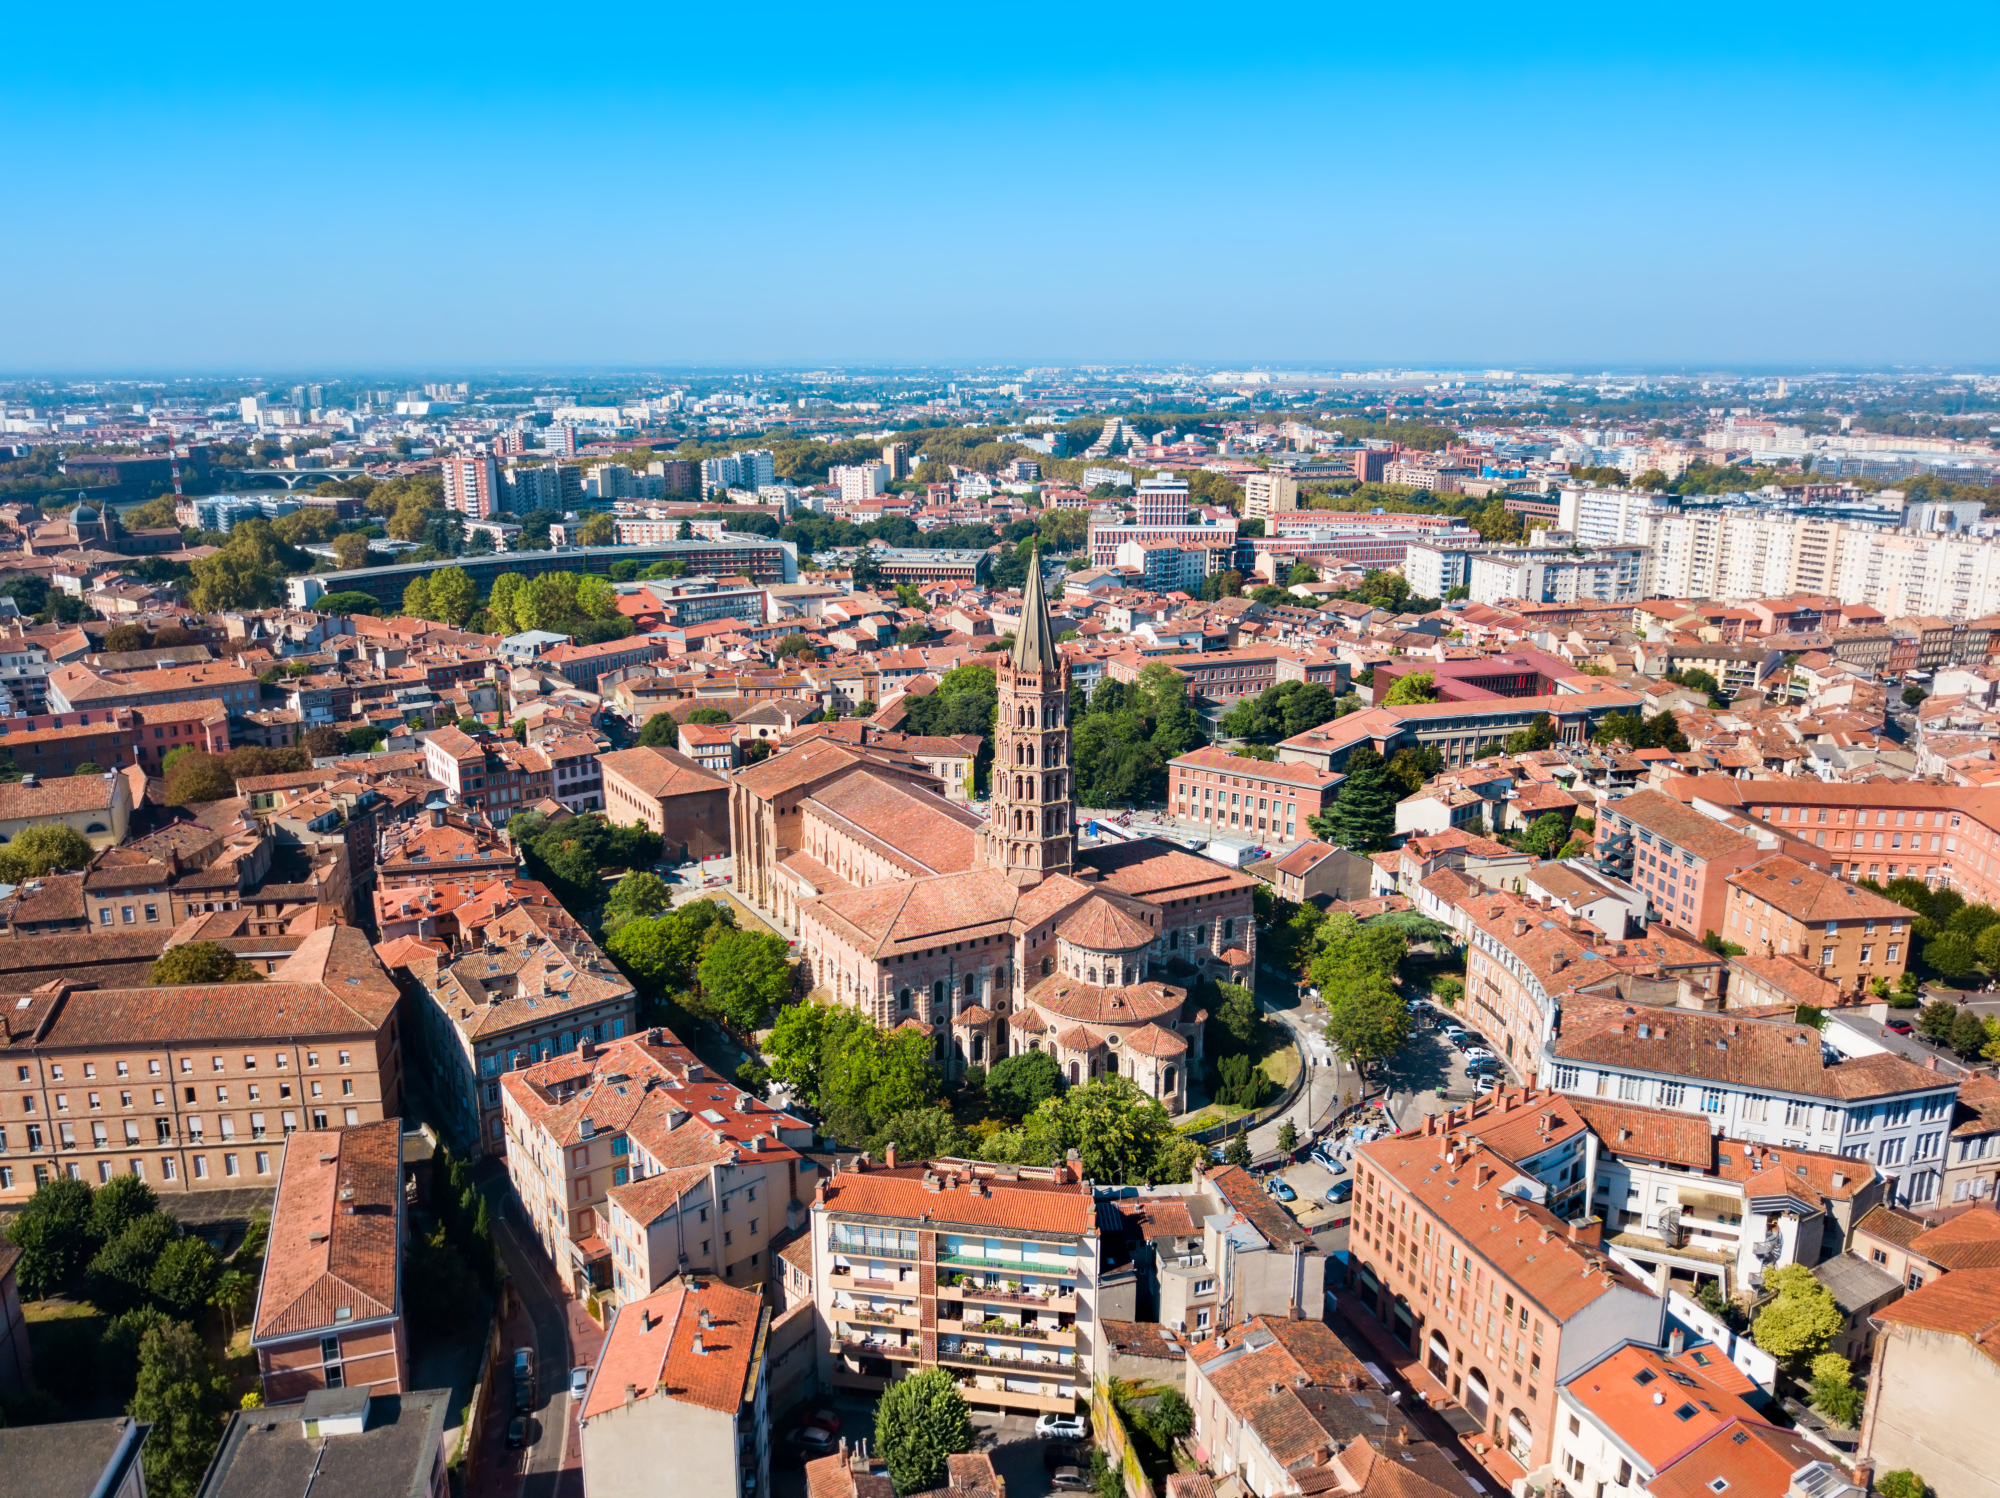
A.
pixel 979 1048
pixel 1228 929
pixel 1072 1072
pixel 971 985
pixel 1201 936
pixel 1173 941
pixel 938 992
pixel 903 999
pixel 1093 975
pixel 1167 1080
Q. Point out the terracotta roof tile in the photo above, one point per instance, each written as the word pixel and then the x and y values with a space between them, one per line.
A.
pixel 335 1232
pixel 900 1194
pixel 652 1348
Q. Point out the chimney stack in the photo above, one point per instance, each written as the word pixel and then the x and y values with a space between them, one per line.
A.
pixel 1587 1230
pixel 889 1154
pixel 1676 1342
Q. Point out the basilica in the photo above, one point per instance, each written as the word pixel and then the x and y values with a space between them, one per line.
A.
pixel 994 934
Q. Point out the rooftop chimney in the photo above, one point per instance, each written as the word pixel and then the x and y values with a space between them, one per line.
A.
pixel 1676 1341
pixel 889 1154
pixel 1586 1230
pixel 699 1350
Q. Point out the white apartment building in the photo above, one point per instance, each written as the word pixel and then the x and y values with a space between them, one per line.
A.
pixel 472 487
pixel 858 481
pixel 1760 1081
pixel 1549 575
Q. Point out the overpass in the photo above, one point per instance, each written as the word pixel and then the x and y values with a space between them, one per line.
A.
pixel 290 477
pixel 765 560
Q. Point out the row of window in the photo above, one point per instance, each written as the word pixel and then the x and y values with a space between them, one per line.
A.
pixel 280 1060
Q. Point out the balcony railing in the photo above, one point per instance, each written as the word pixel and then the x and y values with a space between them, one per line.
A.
pixel 967 1287
pixel 874 1347
pixel 984 1359
pixel 869 1250
pixel 1027 1330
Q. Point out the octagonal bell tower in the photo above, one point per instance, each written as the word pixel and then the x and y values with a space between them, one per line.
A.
pixel 1030 830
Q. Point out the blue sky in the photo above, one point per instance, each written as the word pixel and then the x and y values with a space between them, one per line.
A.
pixel 365 186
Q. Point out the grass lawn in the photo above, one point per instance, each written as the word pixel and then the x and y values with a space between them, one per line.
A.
pixel 1281 1062
pixel 1212 1114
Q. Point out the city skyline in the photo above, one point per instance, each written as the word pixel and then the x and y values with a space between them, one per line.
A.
pixel 1562 190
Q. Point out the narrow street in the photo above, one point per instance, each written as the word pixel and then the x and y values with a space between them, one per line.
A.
pixel 550 1465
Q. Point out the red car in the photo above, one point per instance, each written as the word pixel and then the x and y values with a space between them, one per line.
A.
pixel 826 1420
pixel 1900 1026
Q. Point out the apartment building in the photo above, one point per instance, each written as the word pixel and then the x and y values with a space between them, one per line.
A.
pixel 329 1309
pixel 988 1271
pixel 1269 494
pixel 1501 1298
pixel 1680 858
pixel 644 1113
pixel 1780 906
pixel 78 688
pixel 1238 797
pixel 53 744
pixel 333 1441
pixel 1878 830
pixel 194 1087
pixel 1686 1206
pixel 1934 1384
pixel 1760 1082
pixel 534 987
pixel 682 1387
pixel 472 487
pixel 1972 1169
pixel 487 773
pixel 1618 1434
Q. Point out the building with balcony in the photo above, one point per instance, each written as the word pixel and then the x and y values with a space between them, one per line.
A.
pixel 988 1271
pixel 681 1388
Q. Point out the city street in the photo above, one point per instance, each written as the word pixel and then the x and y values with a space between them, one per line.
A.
pixel 551 1464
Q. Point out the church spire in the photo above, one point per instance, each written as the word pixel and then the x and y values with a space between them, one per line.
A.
pixel 1034 650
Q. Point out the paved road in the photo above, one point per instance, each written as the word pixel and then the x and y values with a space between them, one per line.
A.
pixel 540 1469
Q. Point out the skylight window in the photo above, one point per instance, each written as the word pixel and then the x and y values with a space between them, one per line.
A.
pixel 1686 1412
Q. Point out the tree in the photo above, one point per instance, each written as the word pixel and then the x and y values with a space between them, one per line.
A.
pixel 744 976
pixel 53 1233
pixel 1366 1018
pixel 1912 695
pixel 126 637
pixel 1548 832
pixel 195 777
pixel 1122 1136
pixel 417 598
pixel 1953 955
pixel 638 896
pixel 922 1134
pixel 1171 1417
pixel 1413 767
pixel 121 1273
pixel 1902 1483
pixel 345 602
pixel 913 634
pixel 596 598
pixel 350 552
pixel 1937 1020
pixel 1237 1016
pixel 1800 1320
pixel 234 578
pixel 1288 1136
pixel 793 645
pixel 661 731
pixel 117 1204
pixel 1302 572
pixel 796 1045
pixel 920 1421
pixel 324 743
pixel 663 952
pixel 500 602
pixel 202 962
pixel 43 849
pixel 1833 1391
pixel 1538 735
pixel 1020 1084
pixel 1417 687
pixel 1968 1035
pixel 453 596
pixel 599 530
pixel 713 716
pixel 183 1398
pixel 1363 815
pixel 184 1276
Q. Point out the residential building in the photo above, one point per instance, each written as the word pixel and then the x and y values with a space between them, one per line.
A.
pixel 335 1443
pixel 486 772
pixel 672 794
pixel 1271 493
pixel 1760 1081
pixel 1933 1384
pixel 1780 906
pixel 1972 1167
pixel 77 688
pixel 1501 1298
pixel 472 487
pixel 989 1272
pixel 1685 1207
pixel 1318 872
pixel 528 985
pixel 1619 1433
pixel 621 1117
pixel 681 1387
pixel 76 1458
pixel 908 565
pixel 441 844
pixel 1914 1249
pixel 330 1305
pixel 1254 799
pixel 1246 1256
pixel 190 1086
pixel 1680 858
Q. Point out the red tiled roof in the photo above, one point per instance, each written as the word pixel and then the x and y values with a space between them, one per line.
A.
pixel 335 1230
pixel 1025 1206
pixel 696 1341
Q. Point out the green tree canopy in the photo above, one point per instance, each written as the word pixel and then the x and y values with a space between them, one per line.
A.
pixel 1800 1320
pixel 202 962
pixel 53 1233
pixel 638 896
pixel 183 1398
pixel 1363 814
pixel 662 731
pixel 744 976
pixel 661 953
pixel 1020 1084
pixel 1417 687
pixel 42 849
pixel 920 1422
pixel 194 778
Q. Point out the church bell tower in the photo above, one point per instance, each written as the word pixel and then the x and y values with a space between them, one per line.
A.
pixel 1030 830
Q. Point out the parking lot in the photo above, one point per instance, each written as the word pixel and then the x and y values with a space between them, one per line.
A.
pixel 1009 1439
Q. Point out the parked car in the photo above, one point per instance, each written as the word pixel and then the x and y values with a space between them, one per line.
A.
pixel 1065 1454
pixel 1282 1189
pixel 1479 1053
pixel 1474 1064
pixel 524 1395
pixel 812 1440
pixel 1062 1427
pixel 1069 1480
pixel 517 1433
pixel 524 1362
pixel 1340 1191
pixel 1900 1026
pixel 1484 1083
pixel 579 1381
pixel 826 1420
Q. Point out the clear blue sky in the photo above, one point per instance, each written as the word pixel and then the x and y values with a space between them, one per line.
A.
pixel 283 186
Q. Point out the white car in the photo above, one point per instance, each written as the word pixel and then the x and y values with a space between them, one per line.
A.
pixel 1479 1053
pixel 1483 1085
pixel 1061 1427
